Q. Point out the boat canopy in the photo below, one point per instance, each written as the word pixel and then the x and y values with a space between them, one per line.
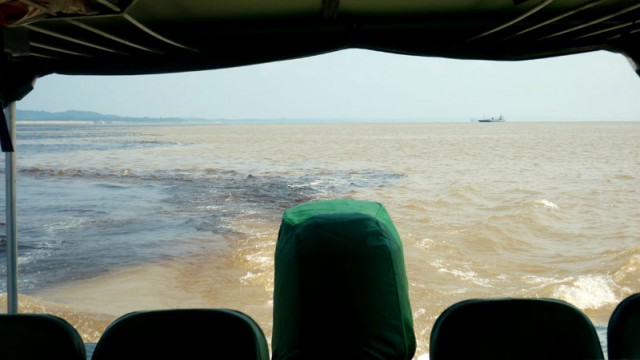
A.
pixel 125 37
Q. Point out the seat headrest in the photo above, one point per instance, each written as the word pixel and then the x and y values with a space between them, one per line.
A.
pixel 623 332
pixel 39 336
pixel 514 329
pixel 340 284
pixel 182 334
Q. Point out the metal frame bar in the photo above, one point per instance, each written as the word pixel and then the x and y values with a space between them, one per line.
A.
pixel 11 223
pixel 108 36
pixel 38 6
pixel 606 30
pixel 57 49
pixel 153 33
pixel 68 38
pixel 574 11
pixel 110 5
pixel 519 18
pixel 597 21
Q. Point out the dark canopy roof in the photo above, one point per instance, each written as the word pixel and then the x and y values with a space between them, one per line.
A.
pixel 109 37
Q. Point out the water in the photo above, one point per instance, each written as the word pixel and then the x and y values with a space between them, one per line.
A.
pixel 116 218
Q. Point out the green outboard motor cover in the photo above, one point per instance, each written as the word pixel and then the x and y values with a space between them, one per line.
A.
pixel 341 288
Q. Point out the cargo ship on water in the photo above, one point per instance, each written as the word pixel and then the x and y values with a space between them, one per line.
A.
pixel 492 119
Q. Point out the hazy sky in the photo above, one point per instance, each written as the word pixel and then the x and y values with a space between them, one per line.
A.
pixel 365 85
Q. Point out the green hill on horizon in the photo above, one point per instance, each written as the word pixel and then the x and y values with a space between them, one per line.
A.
pixel 77 115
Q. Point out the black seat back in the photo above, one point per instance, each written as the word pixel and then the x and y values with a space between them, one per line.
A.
pixel 514 329
pixel 39 336
pixel 182 334
pixel 623 332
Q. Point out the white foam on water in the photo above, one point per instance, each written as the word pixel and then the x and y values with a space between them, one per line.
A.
pixel 424 356
pixel 467 275
pixel 259 260
pixel 547 203
pixel 544 281
pixel 419 312
pixel 588 292
pixel 65 224
pixel 628 269
pixel 425 243
pixel 247 278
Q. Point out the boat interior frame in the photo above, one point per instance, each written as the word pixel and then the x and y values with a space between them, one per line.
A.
pixel 132 37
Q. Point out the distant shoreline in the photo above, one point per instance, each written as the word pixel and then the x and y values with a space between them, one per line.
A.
pixel 55 122
pixel 286 121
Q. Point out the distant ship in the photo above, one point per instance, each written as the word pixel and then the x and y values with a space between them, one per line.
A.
pixel 492 119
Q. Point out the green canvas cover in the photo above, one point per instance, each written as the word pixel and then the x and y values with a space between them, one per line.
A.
pixel 341 288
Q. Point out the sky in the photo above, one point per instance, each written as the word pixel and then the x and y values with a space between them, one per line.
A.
pixel 362 84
